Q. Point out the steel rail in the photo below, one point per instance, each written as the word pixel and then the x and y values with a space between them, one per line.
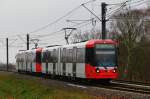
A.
pixel 113 85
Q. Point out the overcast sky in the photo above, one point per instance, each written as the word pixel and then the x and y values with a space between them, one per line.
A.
pixel 18 17
pixel 22 16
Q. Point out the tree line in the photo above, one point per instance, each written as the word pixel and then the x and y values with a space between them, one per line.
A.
pixel 132 29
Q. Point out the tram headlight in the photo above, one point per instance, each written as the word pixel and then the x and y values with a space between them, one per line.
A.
pixel 115 70
pixel 97 70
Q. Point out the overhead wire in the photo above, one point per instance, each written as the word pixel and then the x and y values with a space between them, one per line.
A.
pixel 140 3
pixel 54 33
pixel 48 34
pixel 110 14
pixel 50 24
pixel 128 3
pixel 70 13
pixel 51 37
pixel 56 41
pixel 20 37
pixel 12 42
pixel 54 22
pixel 124 4
pixel 133 2
pixel 79 25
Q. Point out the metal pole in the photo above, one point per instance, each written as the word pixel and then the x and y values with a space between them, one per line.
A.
pixel 27 41
pixel 103 20
pixel 7 53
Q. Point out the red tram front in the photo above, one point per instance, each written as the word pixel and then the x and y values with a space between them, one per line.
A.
pixel 101 59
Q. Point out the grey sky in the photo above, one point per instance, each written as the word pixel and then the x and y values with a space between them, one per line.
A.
pixel 23 16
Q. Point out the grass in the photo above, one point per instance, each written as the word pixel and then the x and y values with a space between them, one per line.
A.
pixel 17 87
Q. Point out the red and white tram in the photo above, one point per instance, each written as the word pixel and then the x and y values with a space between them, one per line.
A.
pixel 93 59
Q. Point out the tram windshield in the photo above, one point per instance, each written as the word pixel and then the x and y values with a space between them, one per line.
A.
pixel 105 55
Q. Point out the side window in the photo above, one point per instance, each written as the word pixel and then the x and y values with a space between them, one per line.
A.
pixel 74 54
pixel 90 57
pixel 80 55
pixel 70 56
pixel 30 57
pixel 33 57
pixel 44 57
pixel 23 57
pixel 64 55
pixel 67 56
pixel 49 53
pixel 17 58
pixel 57 54
pixel 54 55
pixel 48 56
pixel 83 55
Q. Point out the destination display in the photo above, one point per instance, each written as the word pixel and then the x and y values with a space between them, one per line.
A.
pixel 105 46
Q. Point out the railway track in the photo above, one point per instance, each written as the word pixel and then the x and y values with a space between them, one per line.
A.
pixel 128 87
pixel 114 85
pixel 131 82
pixel 131 86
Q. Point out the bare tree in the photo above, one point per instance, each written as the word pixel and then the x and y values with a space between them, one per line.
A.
pixel 129 26
pixel 87 35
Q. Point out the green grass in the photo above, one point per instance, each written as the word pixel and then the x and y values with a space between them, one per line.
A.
pixel 14 87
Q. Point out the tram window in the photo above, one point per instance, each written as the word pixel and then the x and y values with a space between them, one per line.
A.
pixel 70 55
pixel 90 56
pixel 54 56
pixel 46 56
pixel 61 55
pixel 30 57
pixel 74 54
pixel 17 58
pixel 80 55
pixel 64 55
pixel 43 57
pixel 33 57
pixel 23 57
pixel 49 56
